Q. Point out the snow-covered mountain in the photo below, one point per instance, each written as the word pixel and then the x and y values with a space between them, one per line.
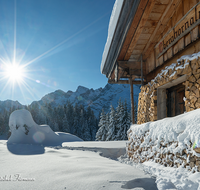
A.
pixel 96 99
pixel 10 105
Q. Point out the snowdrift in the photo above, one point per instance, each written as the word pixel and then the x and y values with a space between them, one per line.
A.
pixel 25 131
pixel 168 141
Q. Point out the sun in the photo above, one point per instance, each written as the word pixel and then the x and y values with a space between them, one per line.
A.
pixel 14 72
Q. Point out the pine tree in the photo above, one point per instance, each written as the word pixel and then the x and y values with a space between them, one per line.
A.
pixel 102 131
pixel 119 116
pixel 1 125
pixel 70 115
pixel 76 126
pixel 65 124
pixel 111 135
pixel 86 131
pixel 125 125
pixel 91 119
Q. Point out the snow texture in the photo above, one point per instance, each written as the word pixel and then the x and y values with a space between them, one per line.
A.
pixel 168 177
pixel 25 131
pixel 189 57
pixel 76 165
pixel 184 129
pixel 57 167
pixel 111 29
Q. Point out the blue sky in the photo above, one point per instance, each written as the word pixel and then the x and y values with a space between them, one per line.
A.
pixel 60 43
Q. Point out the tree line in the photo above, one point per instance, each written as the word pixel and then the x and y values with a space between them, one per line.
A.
pixel 115 124
pixel 77 120
pixel 67 118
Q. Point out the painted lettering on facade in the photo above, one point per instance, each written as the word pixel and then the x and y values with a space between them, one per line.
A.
pixel 184 26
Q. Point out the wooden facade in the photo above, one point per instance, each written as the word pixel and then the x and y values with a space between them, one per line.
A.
pixel 160 32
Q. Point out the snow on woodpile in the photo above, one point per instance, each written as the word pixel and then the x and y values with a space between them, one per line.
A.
pixel 168 141
pixel 188 67
pixel 25 131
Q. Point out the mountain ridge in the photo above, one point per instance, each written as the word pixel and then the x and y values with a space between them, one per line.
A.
pixel 97 99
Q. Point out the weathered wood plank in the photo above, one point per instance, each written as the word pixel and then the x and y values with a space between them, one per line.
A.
pixel 132 29
pixel 123 82
pixel 169 11
pixel 139 29
pixel 150 62
pixel 132 101
pixel 159 8
pixel 185 25
pixel 193 48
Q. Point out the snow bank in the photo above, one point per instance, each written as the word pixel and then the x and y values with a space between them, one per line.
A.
pixel 69 169
pixel 167 177
pixel 25 131
pixel 108 149
pixel 168 141
pixel 111 29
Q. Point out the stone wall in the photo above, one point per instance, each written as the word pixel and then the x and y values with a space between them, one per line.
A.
pixel 188 66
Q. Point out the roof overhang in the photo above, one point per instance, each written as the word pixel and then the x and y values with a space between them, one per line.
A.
pixel 141 25
pixel 128 11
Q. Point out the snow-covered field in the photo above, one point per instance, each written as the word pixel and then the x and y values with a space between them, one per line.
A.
pixel 85 165
pixel 28 164
pixel 35 157
pixel 75 165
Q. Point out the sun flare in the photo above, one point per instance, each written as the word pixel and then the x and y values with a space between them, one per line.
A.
pixel 14 72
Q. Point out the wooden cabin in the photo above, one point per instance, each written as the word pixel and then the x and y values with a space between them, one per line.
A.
pixel 156 43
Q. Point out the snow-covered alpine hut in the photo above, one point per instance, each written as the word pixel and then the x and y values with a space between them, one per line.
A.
pixel 156 43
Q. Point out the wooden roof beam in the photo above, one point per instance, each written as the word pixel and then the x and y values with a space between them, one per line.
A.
pixel 140 27
pixel 130 65
pixel 169 11
pixel 123 82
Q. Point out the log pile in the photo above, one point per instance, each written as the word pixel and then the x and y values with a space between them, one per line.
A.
pixel 144 105
pixel 160 153
pixel 192 87
pixel 147 103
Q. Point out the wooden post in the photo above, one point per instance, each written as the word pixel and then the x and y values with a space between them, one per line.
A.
pixel 132 100
pixel 141 71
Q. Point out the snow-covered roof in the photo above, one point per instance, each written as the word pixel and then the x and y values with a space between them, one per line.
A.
pixel 120 22
pixel 111 29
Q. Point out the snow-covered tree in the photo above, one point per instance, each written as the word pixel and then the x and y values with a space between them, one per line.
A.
pixel 86 131
pixel 103 125
pixel 65 124
pixel 111 134
pixel 119 114
pixel 125 122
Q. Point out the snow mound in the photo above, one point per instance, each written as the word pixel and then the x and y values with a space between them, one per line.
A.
pixel 25 131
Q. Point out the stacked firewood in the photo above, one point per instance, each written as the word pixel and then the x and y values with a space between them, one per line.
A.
pixel 147 103
pixel 144 105
pixel 160 153
pixel 192 87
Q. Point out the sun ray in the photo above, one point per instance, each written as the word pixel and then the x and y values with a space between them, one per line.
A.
pixel 18 80
pixel 29 89
pixel 34 80
pixel 7 84
pixel 15 32
pixel 64 41
pixel 22 91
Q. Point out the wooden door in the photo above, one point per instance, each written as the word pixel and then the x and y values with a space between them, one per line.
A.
pixel 175 102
